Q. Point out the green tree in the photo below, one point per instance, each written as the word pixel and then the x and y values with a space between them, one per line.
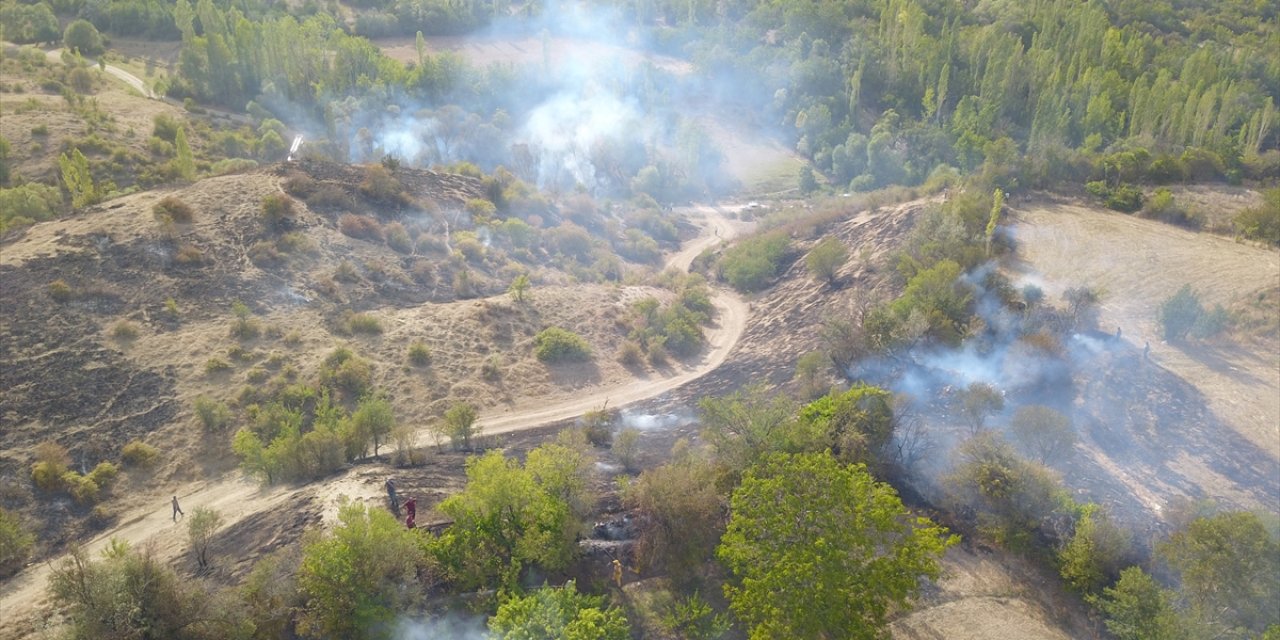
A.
pixel 808 180
pixel 1261 222
pixel 1230 569
pixel 1009 496
pixel 1179 314
pixel 826 258
pixel 1092 558
pixel 359 576
pixel 1042 431
pixel 561 613
pixel 15 543
pixel 749 424
pixel 519 287
pixel 200 527
pixel 681 514
pixel 554 344
pixel 503 521
pixel 977 401
pixel 183 159
pixel 855 425
pixel 374 420
pixel 993 222
pixel 82 36
pixel 564 468
pixel 1137 608
pixel 459 425
pixel 820 549
pixel 78 179
pixel 132 594
pixel 5 163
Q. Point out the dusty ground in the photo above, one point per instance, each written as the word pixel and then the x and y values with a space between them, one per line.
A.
pixel 1137 264
pixel 538 395
pixel 1197 420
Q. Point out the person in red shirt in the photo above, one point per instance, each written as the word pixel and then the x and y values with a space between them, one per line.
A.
pixel 411 505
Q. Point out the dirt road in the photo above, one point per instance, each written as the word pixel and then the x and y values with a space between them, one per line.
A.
pixel 55 55
pixel 22 596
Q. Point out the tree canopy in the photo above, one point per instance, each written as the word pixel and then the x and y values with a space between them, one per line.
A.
pixel 820 549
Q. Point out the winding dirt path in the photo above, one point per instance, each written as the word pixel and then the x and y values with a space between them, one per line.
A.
pixel 235 498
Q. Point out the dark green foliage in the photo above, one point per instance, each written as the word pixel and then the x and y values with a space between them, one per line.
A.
pixel 15 543
pixel 29 23
pixel 1009 497
pixel 808 517
pixel 855 425
pixel 554 344
pixel 1179 314
pixel 132 594
pixel 561 612
pixel 1137 608
pixel 360 575
pixel 82 36
pixel 1263 221
pixel 503 521
pixel 27 204
pixel 752 264
pixel 1230 569
pixel 682 515
pixel 825 258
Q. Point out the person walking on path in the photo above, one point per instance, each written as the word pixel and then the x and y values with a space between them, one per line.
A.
pixel 177 511
pixel 391 495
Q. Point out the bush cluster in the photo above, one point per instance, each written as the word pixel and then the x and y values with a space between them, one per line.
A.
pixel 554 344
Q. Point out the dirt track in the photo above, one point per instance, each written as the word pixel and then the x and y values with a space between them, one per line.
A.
pixel 236 499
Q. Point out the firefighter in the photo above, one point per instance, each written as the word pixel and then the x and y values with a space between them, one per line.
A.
pixel 177 511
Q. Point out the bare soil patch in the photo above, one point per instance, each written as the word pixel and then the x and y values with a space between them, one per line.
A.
pixel 1137 264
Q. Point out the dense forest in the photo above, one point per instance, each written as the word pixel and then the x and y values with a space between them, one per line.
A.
pixel 873 92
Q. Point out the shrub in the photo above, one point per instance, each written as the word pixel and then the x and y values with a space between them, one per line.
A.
pixel 82 488
pixel 28 203
pixel 15 543
pixel 347 372
pixel 1179 313
pixel 630 354
pixel 419 354
pixel 277 209
pixel 491 369
pixel 381 187
pixel 216 365
pixel 398 238
pixel 328 196
pixel 1263 221
pixel 139 454
pixel 363 323
pixel 59 290
pixel 360 227
pixel 243 327
pixel 752 264
pixel 173 209
pixel 554 344
pixel 104 474
pixel 124 331
pixel 299 185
